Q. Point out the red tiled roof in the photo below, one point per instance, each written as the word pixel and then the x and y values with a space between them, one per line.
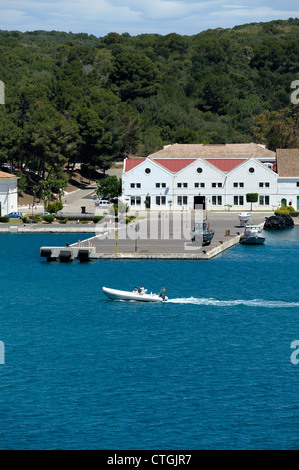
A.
pixel 226 164
pixel 174 164
pixel 132 162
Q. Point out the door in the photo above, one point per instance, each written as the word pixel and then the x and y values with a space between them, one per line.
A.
pixel 148 202
pixel 199 201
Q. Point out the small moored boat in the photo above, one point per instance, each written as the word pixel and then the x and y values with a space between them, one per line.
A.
pixel 202 233
pixel 139 295
pixel 252 235
pixel 244 217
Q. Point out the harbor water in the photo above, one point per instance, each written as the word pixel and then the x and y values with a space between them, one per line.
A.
pixel 212 368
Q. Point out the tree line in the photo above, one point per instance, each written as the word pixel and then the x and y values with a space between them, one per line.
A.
pixel 76 98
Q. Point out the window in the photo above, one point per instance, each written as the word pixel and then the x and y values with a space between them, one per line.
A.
pixel 138 185
pixel 267 185
pixel 264 200
pixel 215 185
pixel 241 185
pixel 163 185
pixel 160 200
pixel 199 185
pixel 297 184
pixel 179 185
pixel 261 185
pixel 135 200
pixel 251 170
pixel 135 185
pixel 199 170
pixel 147 171
pixel 182 200
pixel 185 185
pixel 157 185
pixel 216 200
pixel 238 185
pixel 238 200
pixel 132 185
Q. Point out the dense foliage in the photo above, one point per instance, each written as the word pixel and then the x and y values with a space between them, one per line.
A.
pixel 78 98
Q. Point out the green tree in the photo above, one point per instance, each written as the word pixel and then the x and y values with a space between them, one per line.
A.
pixel 278 129
pixel 134 75
pixel 109 187
pixel 252 197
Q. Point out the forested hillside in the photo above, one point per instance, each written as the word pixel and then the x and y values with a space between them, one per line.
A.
pixel 78 98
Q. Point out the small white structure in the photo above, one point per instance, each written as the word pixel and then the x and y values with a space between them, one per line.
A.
pixel 8 193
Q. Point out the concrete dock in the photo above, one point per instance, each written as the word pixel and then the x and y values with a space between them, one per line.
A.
pixel 137 242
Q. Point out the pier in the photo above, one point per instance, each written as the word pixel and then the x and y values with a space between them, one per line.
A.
pixel 121 242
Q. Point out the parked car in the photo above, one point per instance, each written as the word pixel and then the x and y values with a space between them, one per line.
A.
pixel 45 213
pixel 14 215
pixel 103 203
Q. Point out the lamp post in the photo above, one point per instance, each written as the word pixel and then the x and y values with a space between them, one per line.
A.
pixel 136 236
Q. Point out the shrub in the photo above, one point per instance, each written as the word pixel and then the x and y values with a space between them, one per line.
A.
pixel 4 219
pixel 48 218
pixel 284 210
pixel 54 207
pixel 97 218
pixel 24 219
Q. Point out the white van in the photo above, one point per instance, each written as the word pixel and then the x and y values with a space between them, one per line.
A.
pixel 103 203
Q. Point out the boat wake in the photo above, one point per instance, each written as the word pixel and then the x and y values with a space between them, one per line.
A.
pixel 235 303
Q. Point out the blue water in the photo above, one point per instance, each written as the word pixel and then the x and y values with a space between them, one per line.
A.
pixel 210 369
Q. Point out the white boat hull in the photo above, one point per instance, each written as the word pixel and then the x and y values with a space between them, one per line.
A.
pixel 115 294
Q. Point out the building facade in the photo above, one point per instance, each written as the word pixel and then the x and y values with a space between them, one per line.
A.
pixel 288 179
pixel 8 193
pixel 179 177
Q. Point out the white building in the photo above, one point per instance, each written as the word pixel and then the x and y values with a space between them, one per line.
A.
pixel 217 176
pixel 8 193
pixel 288 179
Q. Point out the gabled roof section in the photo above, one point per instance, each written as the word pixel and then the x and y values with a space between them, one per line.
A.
pixel 247 150
pixel 226 164
pixel 3 174
pixel 287 161
pixel 131 163
pixel 175 164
